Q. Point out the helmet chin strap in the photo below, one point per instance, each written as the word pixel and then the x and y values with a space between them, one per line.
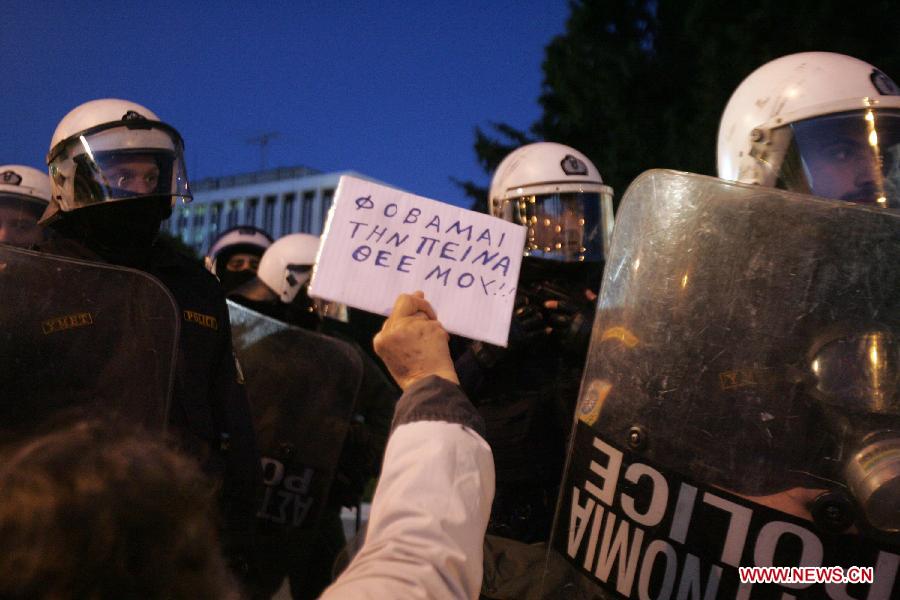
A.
pixel 121 232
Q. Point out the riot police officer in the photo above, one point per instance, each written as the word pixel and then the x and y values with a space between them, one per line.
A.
pixel 743 371
pixel 817 123
pixel 24 194
pixel 742 383
pixel 234 256
pixel 116 171
pixel 527 392
pixel 279 285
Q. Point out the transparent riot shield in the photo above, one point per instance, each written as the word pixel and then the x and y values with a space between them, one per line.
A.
pixel 302 387
pixel 82 338
pixel 739 407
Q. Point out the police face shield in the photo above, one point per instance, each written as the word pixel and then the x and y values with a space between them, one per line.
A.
pixel 81 338
pixel 566 227
pixel 851 156
pixel 19 220
pixel 300 441
pixel 119 161
pixel 739 405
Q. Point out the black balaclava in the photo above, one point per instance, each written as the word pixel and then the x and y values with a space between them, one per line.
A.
pixel 231 280
pixel 121 232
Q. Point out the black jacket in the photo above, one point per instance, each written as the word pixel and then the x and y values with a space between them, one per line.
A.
pixel 209 411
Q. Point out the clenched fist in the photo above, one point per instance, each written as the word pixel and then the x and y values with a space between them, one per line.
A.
pixel 413 344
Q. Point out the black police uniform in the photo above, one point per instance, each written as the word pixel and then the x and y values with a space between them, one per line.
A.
pixel 209 409
pixel 527 395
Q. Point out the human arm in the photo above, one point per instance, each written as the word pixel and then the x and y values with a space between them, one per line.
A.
pixel 431 507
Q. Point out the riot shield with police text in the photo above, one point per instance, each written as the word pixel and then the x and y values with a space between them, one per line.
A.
pixel 738 428
pixel 302 387
pixel 83 338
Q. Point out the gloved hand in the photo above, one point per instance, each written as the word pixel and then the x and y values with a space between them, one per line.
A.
pixel 571 319
pixel 528 324
pixel 526 329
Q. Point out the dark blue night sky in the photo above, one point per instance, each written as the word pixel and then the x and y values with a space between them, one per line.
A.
pixel 393 90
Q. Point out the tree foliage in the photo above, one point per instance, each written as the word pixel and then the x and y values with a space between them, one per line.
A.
pixel 640 84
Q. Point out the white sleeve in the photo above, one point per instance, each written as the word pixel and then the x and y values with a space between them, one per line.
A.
pixel 426 530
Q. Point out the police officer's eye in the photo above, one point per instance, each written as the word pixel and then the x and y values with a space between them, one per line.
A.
pixel 237 264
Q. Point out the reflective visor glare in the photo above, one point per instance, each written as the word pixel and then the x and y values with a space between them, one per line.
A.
pixel 851 156
pixel 563 227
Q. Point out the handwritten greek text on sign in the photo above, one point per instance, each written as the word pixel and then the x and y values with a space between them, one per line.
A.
pixel 380 242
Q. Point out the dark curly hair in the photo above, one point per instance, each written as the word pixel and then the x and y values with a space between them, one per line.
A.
pixel 88 510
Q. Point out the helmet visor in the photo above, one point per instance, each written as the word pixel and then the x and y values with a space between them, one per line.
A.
pixel 852 156
pixel 119 162
pixel 566 227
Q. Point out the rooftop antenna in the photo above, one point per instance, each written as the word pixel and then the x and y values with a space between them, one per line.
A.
pixel 262 140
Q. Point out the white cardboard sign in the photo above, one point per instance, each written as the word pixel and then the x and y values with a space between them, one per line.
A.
pixel 380 242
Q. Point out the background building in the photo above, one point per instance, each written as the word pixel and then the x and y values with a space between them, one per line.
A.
pixel 279 201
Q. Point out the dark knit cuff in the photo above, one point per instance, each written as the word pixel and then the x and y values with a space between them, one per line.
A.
pixel 437 399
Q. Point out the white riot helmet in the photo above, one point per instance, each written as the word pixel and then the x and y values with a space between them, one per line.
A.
pixel 286 265
pixel 110 150
pixel 817 123
pixel 25 183
pixel 558 194
pixel 240 239
pixel 24 194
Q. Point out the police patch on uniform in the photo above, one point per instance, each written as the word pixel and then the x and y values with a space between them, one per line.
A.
pixel 884 84
pixel 573 166
pixel 10 178
pixel 66 322
pixel 592 402
pixel 208 321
